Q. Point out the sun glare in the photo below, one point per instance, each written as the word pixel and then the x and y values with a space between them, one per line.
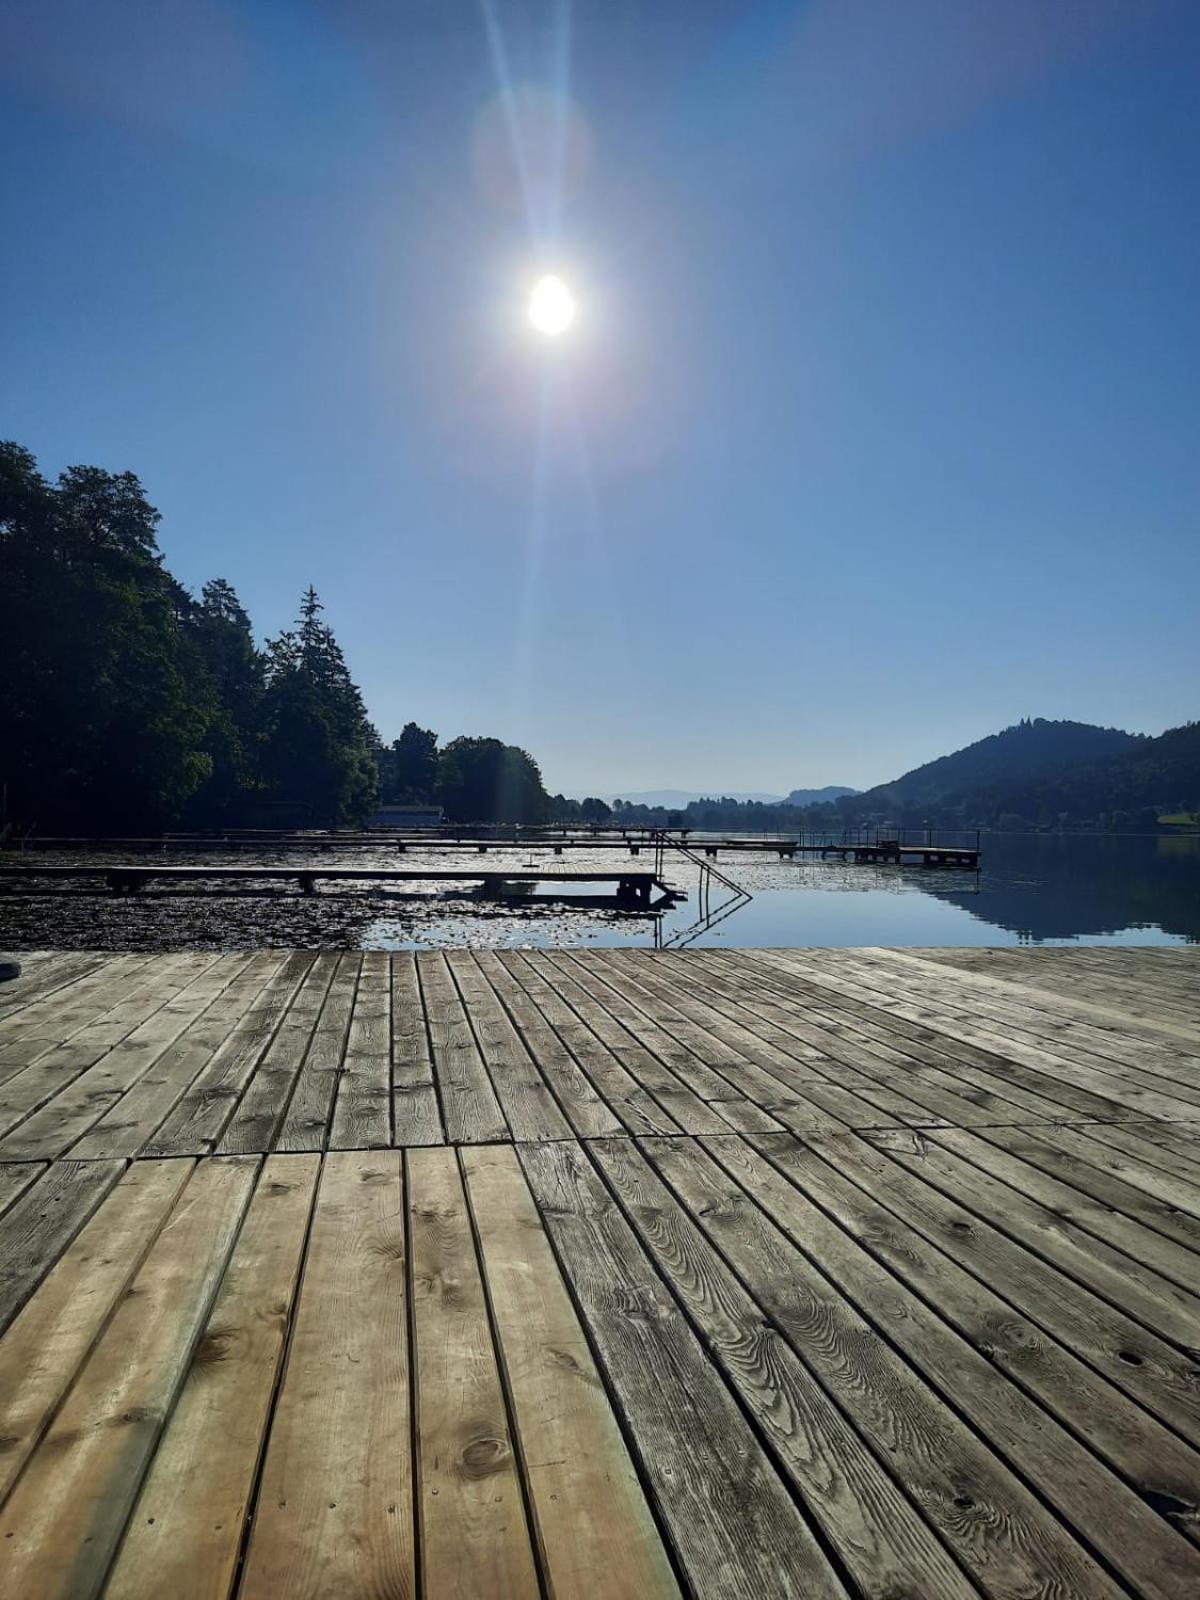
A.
pixel 551 306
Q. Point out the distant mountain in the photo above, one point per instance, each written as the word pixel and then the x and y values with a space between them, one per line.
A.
pixel 1047 775
pixel 1002 762
pixel 676 799
pixel 819 797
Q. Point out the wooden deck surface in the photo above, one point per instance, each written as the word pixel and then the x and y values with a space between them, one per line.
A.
pixel 601 1274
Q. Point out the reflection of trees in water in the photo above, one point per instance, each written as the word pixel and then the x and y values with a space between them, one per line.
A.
pixel 1051 886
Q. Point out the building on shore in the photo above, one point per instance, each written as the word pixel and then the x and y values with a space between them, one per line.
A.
pixel 391 816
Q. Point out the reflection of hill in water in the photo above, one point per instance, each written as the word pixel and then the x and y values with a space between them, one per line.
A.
pixel 1044 886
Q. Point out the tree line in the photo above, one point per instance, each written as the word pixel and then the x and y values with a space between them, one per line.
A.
pixel 128 704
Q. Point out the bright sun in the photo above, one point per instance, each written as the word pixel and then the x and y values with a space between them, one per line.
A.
pixel 551 306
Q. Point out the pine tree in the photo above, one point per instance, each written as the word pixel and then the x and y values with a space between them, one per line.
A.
pixel 318 743
pixel 219 633
pixel 101 722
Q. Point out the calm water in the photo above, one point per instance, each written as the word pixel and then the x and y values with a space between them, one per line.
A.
pixel 1032 889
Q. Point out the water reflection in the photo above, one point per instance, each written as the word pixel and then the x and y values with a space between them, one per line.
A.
pixel 1033 888
pixel 1041 886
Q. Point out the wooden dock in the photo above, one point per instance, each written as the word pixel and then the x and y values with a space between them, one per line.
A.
pixel 632 888
pixel 867 849
pixel 601 1275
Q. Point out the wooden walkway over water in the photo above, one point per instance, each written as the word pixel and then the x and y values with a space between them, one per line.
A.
pixel 605 1274
pixel 632 888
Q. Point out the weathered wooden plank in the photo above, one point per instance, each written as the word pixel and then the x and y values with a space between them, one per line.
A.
pixel 885 1543
pixel 707 1056
pixel 55 1018
pixel 1123 1005
pixel 564 1006
pixel 1132 1285
pixel 62 1521
pixel 56 1067
pixel 44 973
pixel 595 1534
pixel 306 1123
pixel 470 1108
pixel 1170 1188
pixel 416 1119
pixel 1155 1145
pixel 50 1338
pixel 664 1068
pixel 1049 1154
pixel 198 1119
pixel 968 1360
pixel 742 1062
pixel 1138 1094
pixel 127 1125
pixel 583 1107
pixel 1158 1377
pixel 334 1514
pixel 735 1527
pixel 877 1054
pixel 474 1539
pixel 185 1532
pixel 265 1098
pixel 37 1227
pixel 1139 1243
pixel 53 1129
pixel 362 1111
pixel 15 1179
pixel 530 1108
pixel 1109 1056
pixel 852 1180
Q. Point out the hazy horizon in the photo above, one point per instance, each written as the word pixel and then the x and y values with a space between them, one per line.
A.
pixel 874 432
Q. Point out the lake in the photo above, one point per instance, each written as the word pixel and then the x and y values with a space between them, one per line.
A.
pixel 1033 889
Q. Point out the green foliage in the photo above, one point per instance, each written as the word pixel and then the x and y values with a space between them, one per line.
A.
pixel 125 704
pixel 220 636
pixel 318 746
pixel 1051 774
pixel 483 780
pixel 410 767
pixel 101 720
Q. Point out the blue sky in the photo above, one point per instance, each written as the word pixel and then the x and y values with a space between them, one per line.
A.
pixel 875 432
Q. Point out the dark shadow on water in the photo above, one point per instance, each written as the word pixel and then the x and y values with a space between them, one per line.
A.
pixel 1053 886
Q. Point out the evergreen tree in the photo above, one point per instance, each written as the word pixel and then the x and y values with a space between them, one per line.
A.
pixel 101 723
pixel 220 634
pixel 318 744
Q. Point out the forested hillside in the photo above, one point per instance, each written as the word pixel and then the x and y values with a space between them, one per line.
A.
pixel 1048 774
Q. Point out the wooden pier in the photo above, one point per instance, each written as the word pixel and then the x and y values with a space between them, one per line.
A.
pixel 865 848
pixel 601 1275
pixel 633 888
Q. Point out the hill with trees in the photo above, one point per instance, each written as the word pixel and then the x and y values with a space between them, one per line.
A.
pixel 819 797
pixel 1046 774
